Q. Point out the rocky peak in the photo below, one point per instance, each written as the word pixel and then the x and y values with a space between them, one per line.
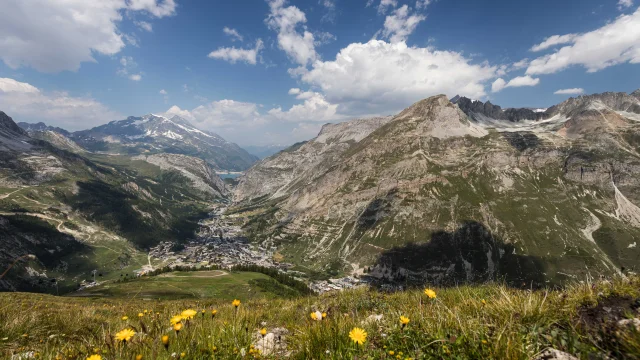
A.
pixel 636 94
pixel 7 125
pixel 614 101
pixel 477 110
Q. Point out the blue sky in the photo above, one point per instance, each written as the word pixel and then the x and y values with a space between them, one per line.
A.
pixel 283 68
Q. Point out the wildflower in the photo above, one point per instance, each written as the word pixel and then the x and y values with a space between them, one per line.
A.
pixel 202 312
pixel 483 302
pixel 404 321
pixel 236 303
pixel 317 315
pixel 176 319
pixel 138 357
pixel 165 341
pixel 94 357
pixel 391 352
pixel 182 355
pixel 145 311
pixel 125 318
pixel 188 314
pixel 263 332
pixel 140 315
pixel 358 335
pixel 214 348
pixel 213 313
pixel 484 342
pixel 177 327
pixel 314 316
pixel 324 315
pixel 430 293
pixel 125 335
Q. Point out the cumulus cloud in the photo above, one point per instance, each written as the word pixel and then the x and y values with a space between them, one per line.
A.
pixel 380 77
pixel 314 108
pixel 25 102
pixel 623 4
pixel 399 25
pixel 234 54
pixel 233 34
pixel 52 36
pixel 385 5
pixel 616 43
pixel 553 41
pixel 519 81
pixel 298 45
pixel 163 92
pixel 144 25
pixel 573 91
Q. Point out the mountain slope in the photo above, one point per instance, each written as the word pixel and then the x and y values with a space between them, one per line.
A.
pixel 158 134
pixel 80 212
pixel 534 201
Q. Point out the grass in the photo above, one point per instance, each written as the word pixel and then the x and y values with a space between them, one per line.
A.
pixel 458 324
pixel 194 285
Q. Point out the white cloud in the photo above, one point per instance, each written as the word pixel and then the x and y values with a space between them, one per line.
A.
pixel 520 64
pixel 233 34
pixel 519 81
pixel 422 4
pixel 221 114
pixel 330 6
pixel 615 43
pixel 127 66
pixel 175 110
pixel 185 87
pixel 314 108
pixel 163 92
pixel 234 54
pixel 146 26
pixel 385 4
pixel 399 25
pixel 135 77
pixel 623 4
pixel 574 91
pixel 379 77
pixel 25 102
pixel 498 85
pixel 299 46
pixel 52 36
pixel 553 41
pixel 324 38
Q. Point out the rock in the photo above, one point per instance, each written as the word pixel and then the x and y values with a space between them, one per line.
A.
pixel 553 354
pixel 372 319
pixel 272 343
pixel 628 323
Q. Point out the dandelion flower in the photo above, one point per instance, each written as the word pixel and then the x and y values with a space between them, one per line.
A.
pixel 483 302
pixel 176 319
pixel 138 357
pixel 183 355
pixel 177 327
pixel 125 318
pixel 125 335
pixel 314 316
pixel 430 293
pixel 213 313
pixel 236 303
pixel 94 357
pixel 140 314
pixel 358 335
pixel 391 352
pixel 324 315
pixel 263 332
pixel 404 321
pixel 188 314
pixel 165 341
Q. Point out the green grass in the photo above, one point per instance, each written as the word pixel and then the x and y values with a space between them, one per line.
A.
pixel 194 285
pixel 458 324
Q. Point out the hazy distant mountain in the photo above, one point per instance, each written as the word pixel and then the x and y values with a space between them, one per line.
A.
pixel 42 127
pixel 264 151
pixel 461 192
pixel 151 134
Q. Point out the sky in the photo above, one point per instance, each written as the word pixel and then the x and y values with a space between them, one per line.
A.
pixel 262 72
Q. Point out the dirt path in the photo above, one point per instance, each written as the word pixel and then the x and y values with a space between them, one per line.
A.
pixel 200 274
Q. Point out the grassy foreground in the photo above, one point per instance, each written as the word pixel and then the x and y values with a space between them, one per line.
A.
pixel 468 322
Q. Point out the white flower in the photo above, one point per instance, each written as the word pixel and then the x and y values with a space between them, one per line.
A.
pixel 318 316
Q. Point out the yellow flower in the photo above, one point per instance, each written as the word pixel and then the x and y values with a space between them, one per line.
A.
pixel 484 342
pixel 236 303
pixel 125 335
pixel 483 302
pixel 182 355
pixel 404 320
pixel 176 319
pixel 125 318
pixel 94 357
pixel 140 314
pixel 391 352
pixel 430 293
pixel 165 341
pixel 314 316
pixel 188 314
pixel 263 332
pixel 358 335
pixel 138 357
pixel 213 313
pixel 324 315
pixel 177 327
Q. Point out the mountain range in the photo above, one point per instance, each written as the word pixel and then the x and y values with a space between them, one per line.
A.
pixel 459 191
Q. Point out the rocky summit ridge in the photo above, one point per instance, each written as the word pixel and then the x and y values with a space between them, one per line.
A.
pixel 460 191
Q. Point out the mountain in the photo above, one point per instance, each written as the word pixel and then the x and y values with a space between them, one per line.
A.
pixel 446 192
pixel 78 211
pixel 151 134
pixel 264 151
pixel 42 127
pixel 477 110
